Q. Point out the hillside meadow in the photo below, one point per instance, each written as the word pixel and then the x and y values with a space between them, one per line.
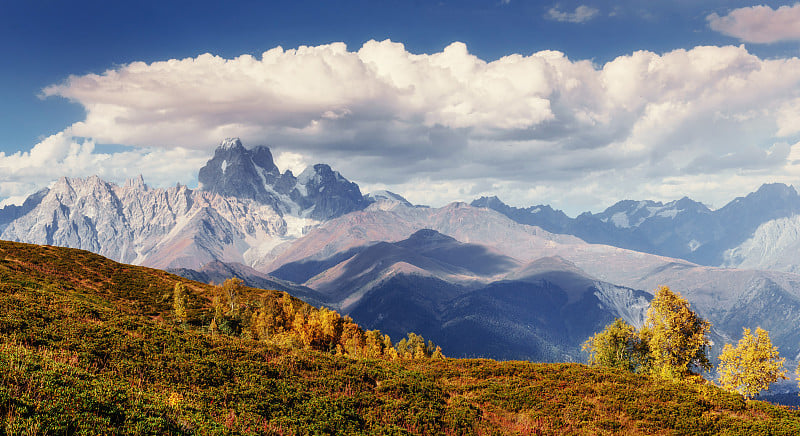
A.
pixel 90 346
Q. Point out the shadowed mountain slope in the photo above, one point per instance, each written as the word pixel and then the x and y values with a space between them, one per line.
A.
pixel 472 300
pixel 730 298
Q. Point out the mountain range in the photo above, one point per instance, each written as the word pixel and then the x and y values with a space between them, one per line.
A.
pixel 755 231
pixel 481 279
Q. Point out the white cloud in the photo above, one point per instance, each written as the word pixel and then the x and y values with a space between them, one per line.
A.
pixel 294 162
pixel 706 122
pixel 581 14
pixel 759 24
pixel 788 118
pixel 63 155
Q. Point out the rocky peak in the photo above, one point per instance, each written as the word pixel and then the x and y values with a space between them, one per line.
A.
pixel 383 196
pixel 489 202
pixel 326 194
pixel 319 192
pixel 429 236
pixel 687 204
pixel 231 144
pixel 136 183
pixel 775 190
pixel 772 200
pixel 235 171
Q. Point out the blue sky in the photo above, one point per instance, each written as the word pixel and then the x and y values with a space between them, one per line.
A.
pixel 720 132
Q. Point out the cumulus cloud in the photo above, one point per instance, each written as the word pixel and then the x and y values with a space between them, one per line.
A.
pixel 64 155
pixel 709 122
pixel 581 14
pixel 759 24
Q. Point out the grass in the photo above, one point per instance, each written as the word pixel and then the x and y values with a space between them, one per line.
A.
pixel 89 346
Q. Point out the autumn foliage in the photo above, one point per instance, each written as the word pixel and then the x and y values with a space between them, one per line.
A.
pixel 673 344
pixel 675 336
pixel 289 322
pixel 752 365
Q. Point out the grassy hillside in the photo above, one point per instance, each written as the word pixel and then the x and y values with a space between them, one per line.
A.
pixel 89 346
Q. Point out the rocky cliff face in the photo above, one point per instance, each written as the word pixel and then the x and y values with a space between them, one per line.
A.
pixel 244 208
pixel 133 223
pixel 319 192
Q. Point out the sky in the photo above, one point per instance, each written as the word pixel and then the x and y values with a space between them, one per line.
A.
pixel 576 104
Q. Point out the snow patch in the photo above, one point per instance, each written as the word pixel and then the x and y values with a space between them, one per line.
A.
pixel 301 188
pixel 230 143
pixel 668 213
pixel 297 227
pixel 620 220
pixel 224 165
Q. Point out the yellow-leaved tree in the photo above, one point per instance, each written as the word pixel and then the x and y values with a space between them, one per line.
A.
pixel 231 289
pixel 676 336
pixel 179 303
pixel 618 346
pixel 752 365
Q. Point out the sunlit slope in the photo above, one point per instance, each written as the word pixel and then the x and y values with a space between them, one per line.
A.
pixel 89 346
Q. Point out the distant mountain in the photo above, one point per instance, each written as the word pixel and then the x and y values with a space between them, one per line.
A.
pixel 11 212
pixel 387 197
pixel 342 259
pixel 172 227
pixel 450 272
pixel 739 234
pixel 243 210
pixel 473 301
pixel 217 272
pixel 319 192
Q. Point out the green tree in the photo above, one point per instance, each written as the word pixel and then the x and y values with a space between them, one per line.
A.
pixel 618 346
pixel 676 336
pixel 752 365
pixel 179 303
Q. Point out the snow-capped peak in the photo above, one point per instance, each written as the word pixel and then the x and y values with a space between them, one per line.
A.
pixel 231 143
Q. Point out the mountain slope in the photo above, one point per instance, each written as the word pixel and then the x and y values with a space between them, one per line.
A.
pixel 471 300
pixel 245 207
pixel 88 348
pixel 729 298
pixel 735 235
pixel 217 272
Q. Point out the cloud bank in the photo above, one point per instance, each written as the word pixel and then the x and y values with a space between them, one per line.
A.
pixel 759 24
pixel 709 122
